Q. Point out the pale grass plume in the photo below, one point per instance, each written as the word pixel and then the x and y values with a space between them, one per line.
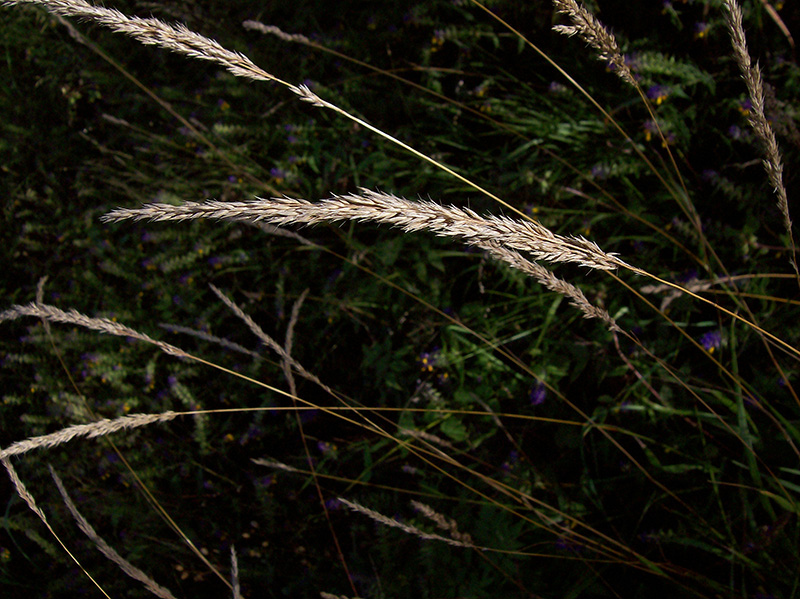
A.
pixel 23 492
pixel 26 496
pixel 411 216
pixel 177 38
pixel 102 325
pixel 751 73
pixel 426 436
pixel 276 465
pixel 286 363
pixel 385 520
pixel 89 431
pixel 593 32
pixel 551 282
pixel 442 522
pixel 221 341
pixel 237 589
pixel 276 31
pixel 281 232
pixel 266 339
pixel 106 549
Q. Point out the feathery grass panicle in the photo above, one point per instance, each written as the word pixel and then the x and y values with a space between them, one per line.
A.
pixel 275 464
pixel 103 325
pixel 595 34
pixel 442 522
pixel 380 518
pixel 22 491
pixel 281 232
pixel 106 549
pixel 276 31
pixel 177 38
pixel 367 205
pixel 237 589
pixel 94 429
pixel 222 342
pixel 26 496
pixel 550 281
pixel 286 363
pixel 751 73
pixel 266 339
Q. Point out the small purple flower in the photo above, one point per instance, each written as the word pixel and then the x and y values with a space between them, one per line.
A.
pixel 557 88
pixel 711 341
pixel 326 448
pixel 428 360
pixel 658 93
pixel 735 132
pixel 600 171
pixel 511 461
pixel 308 415
pixel 566 544
pixel 745 106
pixel 278 174
pixel 333 504
pixel 701 29
pixel 264 482
pixel 632 61
pixel 538 394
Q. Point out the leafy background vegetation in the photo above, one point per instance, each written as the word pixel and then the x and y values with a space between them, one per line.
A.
pixel 645 446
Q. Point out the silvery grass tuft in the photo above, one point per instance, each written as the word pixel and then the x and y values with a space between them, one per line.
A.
pixel 367 205
pixel 498 235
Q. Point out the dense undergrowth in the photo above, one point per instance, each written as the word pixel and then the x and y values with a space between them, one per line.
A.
pixel 581 461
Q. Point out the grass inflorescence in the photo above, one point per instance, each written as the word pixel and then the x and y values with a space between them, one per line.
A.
pixel 305 329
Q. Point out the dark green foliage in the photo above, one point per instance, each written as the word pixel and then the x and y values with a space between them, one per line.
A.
pixel 596 466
